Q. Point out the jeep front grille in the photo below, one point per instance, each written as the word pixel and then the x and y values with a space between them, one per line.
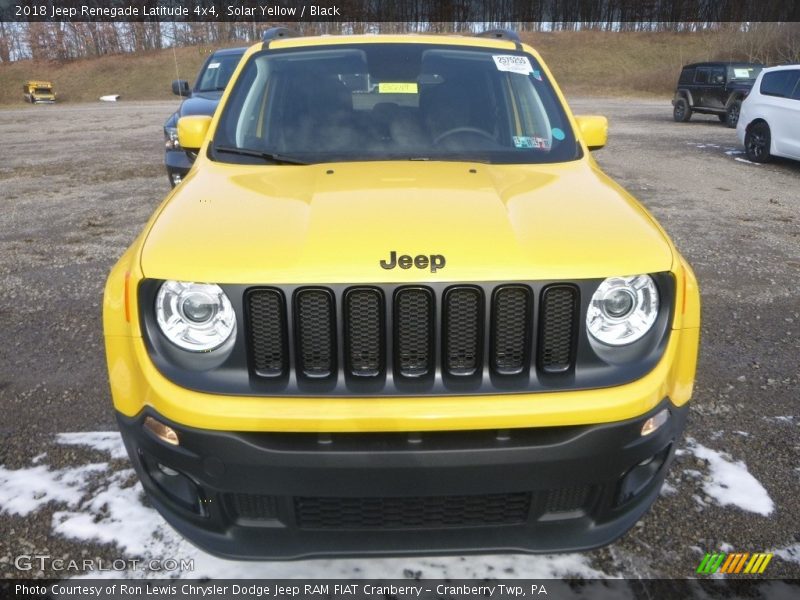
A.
pixel 410 337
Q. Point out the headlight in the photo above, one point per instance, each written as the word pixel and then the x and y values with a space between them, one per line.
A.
pixel 622 309
pixel 171 138
pixel 194 316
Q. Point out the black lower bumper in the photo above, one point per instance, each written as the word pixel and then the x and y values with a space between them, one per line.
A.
pixel 177 164
pixel 293 495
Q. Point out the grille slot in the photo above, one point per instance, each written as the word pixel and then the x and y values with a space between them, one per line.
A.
pixel 364 318
pixel 255 507
pixel 463 308
pixel 558 328
pixel 315 335
pixel 567 499
pixel 511 326
pixel 267 316
pixel 413 322
pixel 412 512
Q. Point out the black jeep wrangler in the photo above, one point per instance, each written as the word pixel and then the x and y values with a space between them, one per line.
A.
pixel 714 88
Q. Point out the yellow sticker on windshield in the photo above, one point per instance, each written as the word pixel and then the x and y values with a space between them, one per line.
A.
pixel 398 88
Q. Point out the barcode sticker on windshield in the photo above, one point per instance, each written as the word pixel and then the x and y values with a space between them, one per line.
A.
pixel 398 88
pixel 513 64
pixel 213 65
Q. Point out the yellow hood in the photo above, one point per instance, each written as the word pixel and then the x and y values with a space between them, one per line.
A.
pixel 335 223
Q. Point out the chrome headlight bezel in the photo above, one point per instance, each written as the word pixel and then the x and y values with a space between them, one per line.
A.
pixel 623 310
pixel 212 324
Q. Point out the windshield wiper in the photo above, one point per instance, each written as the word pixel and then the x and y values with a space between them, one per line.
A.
pixel 278 159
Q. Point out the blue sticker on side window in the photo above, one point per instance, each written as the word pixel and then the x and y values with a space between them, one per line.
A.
pixel 558 134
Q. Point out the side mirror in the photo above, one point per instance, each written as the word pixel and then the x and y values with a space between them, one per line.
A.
pixel 192 131
pixel 594 130
pixel 180 87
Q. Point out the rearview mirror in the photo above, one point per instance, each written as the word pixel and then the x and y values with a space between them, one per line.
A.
pixel 594 130
pixel 180 87
pixel 192 131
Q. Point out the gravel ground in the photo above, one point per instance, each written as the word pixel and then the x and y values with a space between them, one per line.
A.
pixel 77 182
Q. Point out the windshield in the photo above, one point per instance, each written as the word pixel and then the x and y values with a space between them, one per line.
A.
pixel 394 101
pixel 744 72
pixel 43 90
pixel 217 73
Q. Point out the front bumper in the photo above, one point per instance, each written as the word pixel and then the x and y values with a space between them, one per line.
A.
pixel 178 164
pixel 295 495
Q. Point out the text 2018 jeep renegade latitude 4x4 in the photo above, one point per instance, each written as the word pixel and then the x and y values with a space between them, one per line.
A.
pixel 396 307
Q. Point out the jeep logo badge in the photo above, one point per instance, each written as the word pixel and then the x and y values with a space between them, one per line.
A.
pixel 421 261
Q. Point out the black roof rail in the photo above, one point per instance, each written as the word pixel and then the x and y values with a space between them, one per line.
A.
pixel 277 33
pixel 500 34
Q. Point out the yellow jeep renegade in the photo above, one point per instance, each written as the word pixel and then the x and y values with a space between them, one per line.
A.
pixel 396 307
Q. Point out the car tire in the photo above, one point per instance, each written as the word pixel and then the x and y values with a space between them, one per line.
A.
pixel 757 142
pixel 682 112
pixel 732 113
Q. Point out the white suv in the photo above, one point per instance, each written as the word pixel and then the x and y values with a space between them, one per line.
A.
pixel 769 121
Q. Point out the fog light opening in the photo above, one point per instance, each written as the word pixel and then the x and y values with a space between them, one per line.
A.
pixel 653 423
pixel 167 471
pixel 163 432
pixel 641 475
pixel 176 486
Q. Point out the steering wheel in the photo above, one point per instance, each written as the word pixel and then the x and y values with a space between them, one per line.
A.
pixel 457 130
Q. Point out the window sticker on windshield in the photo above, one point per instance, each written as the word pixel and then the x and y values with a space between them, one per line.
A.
pixel 213 65
pixel 558 134
pixel 537 74
pixel 513 64
pixel 524 141
pixel 741 73
pixel 398 88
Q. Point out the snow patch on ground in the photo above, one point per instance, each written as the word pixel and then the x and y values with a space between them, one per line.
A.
pixel 104 441
pixel 731 483
pixel 783 419
pixel 105 505
pixel 23 491
pixel 667 489
pixel 790 553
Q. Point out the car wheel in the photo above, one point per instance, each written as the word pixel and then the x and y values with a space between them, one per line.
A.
pixel 681 113
pixel 732 114
pixel 757 143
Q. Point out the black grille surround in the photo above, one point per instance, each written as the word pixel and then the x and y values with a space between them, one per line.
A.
pixel 408 340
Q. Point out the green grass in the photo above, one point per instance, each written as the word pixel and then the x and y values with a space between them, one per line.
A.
pixel 584 63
